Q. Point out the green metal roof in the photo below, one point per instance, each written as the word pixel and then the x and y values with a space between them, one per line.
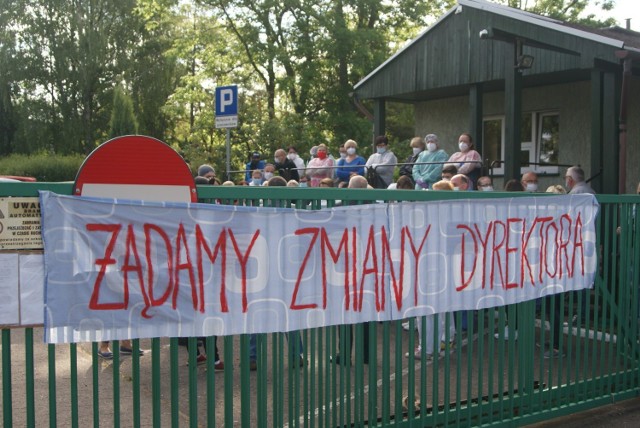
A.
pixel 451 54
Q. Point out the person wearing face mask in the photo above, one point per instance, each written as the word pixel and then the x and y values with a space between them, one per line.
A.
pixel 448 171
pixel 485 184
pixel 253 164
pixel 417 145
pixel 428 167
pixel 256 178
pixel 285 166
pixel 467 160
pixel 461 182
pixel 320 167
pixel 382 162
pixel 530 181
pixel 352 164
pixel 268 173
pixel 292 155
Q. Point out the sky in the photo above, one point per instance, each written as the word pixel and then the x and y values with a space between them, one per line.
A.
pixel 623 9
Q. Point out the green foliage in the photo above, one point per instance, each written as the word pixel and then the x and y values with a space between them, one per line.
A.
pixel 123 120
pixel 295 64
pixel 43 166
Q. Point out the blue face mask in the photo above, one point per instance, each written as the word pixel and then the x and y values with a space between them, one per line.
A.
pixel 302 184
pixel 381 150
pixel 256 181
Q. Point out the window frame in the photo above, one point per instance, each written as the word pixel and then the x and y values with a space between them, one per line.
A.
pixel 530 143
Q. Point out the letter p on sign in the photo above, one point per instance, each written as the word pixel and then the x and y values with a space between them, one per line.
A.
pixel 227 100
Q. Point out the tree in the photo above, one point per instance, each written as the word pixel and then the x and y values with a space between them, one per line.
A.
pixel 123 120
pixel 565 10
pixel 70 54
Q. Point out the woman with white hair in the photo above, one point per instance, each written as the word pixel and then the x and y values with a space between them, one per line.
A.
pixel 428 167
pixel 351 165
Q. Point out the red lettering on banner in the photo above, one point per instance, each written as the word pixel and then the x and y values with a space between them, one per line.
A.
pixel 220 248
pixel 510 249
pixel 505 244
pixel 386 255
pixel 495 253
pixel 578 243
pixel 314 231
pixel 554 251
pixel 416 255
pixel 483 243
pixel 563 244
pixel 370 252
pixel 151 301
pixel 114 229
pixel 243 259
pixel 335 256
pixel 524 258
pixel 543 257
pixel 462 256
pixel 354 269
pixel 130 247
pixel 181 241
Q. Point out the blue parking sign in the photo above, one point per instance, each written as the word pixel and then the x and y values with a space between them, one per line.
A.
pixel 227 100
pixel 227 106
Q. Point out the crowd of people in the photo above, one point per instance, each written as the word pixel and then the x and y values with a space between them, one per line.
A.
pixel 428 167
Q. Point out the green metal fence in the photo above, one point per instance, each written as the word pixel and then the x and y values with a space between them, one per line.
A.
pixel 479 377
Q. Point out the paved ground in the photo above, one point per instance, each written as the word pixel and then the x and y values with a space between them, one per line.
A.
pixel 623 414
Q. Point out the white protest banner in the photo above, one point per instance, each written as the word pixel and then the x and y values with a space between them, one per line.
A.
pixel 126 269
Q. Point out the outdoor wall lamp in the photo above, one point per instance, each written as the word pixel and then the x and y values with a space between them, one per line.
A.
pixel 524 62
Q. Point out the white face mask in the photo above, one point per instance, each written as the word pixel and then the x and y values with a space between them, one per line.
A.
pixel 463 147
pixel 432 147
pixel 381 150
pixel 486 188
pixel 456 188
pixel 532 187
pixel 416 150
pixel 343 155
pixel 292 156
pixel 278 160
pixel 351 151
pixel 268 175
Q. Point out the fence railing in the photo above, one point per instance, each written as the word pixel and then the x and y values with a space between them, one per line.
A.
pixel 574 351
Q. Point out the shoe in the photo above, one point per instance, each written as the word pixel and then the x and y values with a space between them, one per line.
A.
pixel 406 326
pixel 297 363
pixel 105 355
pixel 253 366
pixel 444 346
pixel 200 359
pixel 577 322
pixel 128 351
pixel 338 360
pixel 218 366
pixel 553 353
pixel 506 334
pixel 417 354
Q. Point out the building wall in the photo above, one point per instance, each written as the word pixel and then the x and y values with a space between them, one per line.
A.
pixel 633 138
pixel 449 117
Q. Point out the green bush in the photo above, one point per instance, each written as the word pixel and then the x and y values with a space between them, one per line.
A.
pixel 42 166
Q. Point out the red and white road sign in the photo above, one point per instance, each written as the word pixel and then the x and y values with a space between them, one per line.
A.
pixel 136 167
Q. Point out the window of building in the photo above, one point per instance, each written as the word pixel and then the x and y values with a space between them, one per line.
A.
pixel 539 132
